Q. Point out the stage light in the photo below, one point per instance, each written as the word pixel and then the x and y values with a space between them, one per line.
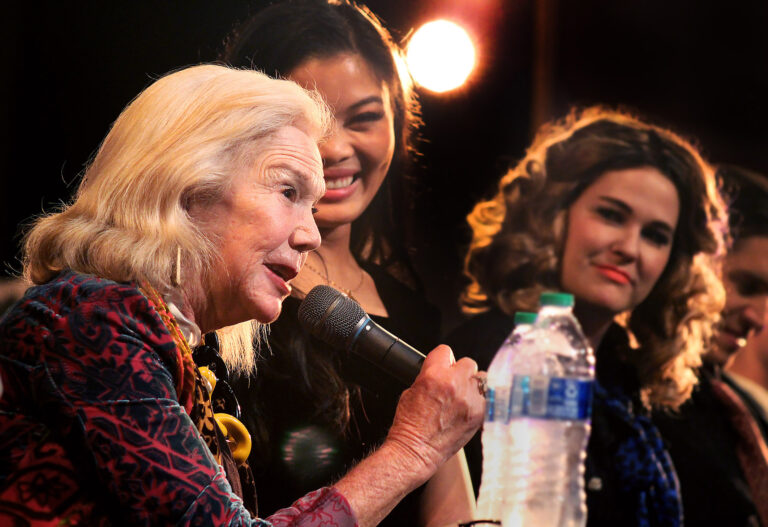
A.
pixel 440 56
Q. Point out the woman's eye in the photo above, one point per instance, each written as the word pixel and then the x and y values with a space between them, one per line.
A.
pixel 656 237
pixel 290 193
pixel 314 210
pixel 610 214
pixel 365 117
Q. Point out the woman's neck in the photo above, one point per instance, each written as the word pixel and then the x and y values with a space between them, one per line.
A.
pixel 192 301
pixel 334 264
pixel 593 323
pixel 334 250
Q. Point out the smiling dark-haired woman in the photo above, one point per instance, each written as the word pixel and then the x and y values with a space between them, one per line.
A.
pixel 342 407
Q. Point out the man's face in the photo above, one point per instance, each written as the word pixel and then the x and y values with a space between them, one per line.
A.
pixel 745 276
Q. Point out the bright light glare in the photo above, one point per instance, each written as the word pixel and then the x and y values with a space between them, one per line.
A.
pixel 440 56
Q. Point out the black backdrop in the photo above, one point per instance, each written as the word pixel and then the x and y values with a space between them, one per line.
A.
pixel 702 68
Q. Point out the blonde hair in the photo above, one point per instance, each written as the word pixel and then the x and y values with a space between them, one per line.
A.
pixel 180 141
pixel 518 237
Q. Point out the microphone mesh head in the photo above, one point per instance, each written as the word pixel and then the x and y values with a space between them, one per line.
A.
pixel 330 316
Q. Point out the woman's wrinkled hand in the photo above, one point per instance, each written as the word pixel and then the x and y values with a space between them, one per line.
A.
pixel 439 413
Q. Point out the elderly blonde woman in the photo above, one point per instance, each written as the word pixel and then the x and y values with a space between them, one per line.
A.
pixel 194 216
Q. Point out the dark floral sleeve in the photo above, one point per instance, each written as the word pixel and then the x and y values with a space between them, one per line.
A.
pixel 86 367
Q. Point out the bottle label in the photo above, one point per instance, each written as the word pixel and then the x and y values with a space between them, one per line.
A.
pixel 551 397
pixel 497 404
pixel 490 404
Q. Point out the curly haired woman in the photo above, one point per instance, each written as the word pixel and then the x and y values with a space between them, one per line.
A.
pixel 627 217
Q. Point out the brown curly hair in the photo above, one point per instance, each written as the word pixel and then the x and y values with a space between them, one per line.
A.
pixel 518 237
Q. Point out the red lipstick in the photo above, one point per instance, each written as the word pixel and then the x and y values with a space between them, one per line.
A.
pixel 614 274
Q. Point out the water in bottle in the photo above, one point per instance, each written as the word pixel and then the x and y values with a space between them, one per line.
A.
pixel 494 438
pixel 550 407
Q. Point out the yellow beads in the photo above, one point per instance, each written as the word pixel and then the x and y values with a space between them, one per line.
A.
pixel 209 377
pixel 237 436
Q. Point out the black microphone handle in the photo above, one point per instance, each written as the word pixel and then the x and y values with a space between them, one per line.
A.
pixel 385 350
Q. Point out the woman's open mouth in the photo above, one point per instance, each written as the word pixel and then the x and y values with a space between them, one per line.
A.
pixel 333 184
pixel 281 276
pixel 340 188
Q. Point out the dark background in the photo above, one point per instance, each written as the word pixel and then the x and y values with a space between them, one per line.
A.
pixel 70 67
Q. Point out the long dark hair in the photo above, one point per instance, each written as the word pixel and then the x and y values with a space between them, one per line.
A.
pixel 276 40
pixel 518 237
pixel 281 37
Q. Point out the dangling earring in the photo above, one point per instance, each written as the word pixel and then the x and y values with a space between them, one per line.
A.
pixel 176 274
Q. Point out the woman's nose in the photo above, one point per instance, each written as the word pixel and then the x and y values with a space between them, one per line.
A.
pixel 337 147
pixel 627 243
pixel 306 236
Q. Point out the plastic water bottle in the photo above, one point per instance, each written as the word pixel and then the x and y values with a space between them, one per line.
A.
pixel 550 408
pixel 494 438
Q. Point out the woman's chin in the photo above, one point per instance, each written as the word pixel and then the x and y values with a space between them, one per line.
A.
pixel 266 310
pixel 334 213
pixel 270 317
pixel 337 215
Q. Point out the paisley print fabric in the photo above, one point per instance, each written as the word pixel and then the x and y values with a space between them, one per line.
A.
pixel 196 400
pixel 94 420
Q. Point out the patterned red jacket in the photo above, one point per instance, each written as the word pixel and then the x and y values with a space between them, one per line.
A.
pixel 91 428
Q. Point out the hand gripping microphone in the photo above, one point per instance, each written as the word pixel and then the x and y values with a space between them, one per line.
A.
pixel 341 323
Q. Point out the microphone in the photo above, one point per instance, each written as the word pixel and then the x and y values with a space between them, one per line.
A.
pixel 341 323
